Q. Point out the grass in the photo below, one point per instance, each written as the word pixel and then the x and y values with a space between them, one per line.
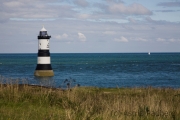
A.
pixel 27 102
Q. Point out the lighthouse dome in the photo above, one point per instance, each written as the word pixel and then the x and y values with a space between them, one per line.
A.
pixel 43 34
pixel 43 29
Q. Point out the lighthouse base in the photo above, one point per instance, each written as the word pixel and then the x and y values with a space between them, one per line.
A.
pixel 43 73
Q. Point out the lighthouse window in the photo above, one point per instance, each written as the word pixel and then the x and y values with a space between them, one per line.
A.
pixel 43 33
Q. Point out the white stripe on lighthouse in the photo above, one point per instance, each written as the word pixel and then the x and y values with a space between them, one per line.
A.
pixel 43 44
pixel 43 60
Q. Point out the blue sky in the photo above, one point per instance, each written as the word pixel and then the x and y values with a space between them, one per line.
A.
pixel 91 26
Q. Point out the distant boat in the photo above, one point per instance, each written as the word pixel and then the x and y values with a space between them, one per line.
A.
pixel 149 53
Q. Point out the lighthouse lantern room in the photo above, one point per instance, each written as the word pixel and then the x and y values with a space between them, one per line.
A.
pixel 43 67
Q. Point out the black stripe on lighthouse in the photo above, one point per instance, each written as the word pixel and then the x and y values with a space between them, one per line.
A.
pixel 42 53
pixel 43 67
pixel 43 60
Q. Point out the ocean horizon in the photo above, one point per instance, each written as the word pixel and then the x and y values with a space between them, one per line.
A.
pixel 86 52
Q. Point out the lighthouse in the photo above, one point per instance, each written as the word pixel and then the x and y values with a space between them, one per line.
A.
pixel 43 67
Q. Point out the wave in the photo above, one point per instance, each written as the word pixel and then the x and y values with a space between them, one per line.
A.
pixel 175 64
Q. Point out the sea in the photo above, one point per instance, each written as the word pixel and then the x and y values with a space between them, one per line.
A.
pixel 107 70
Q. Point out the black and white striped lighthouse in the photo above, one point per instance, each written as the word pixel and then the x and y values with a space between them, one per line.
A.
pixel 43 67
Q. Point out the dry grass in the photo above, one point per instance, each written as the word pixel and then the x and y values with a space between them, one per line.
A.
pixel 86 103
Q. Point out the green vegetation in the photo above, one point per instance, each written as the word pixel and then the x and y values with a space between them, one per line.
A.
pixel 27 102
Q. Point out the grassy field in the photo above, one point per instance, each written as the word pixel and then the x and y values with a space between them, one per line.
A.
pixel 26 102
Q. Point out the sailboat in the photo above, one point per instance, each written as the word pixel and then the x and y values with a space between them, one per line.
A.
pixel 149 53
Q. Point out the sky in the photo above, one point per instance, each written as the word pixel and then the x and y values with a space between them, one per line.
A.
pixel 91 26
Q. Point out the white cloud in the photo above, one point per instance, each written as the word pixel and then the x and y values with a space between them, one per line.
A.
pixel 32 9
pixel 174 40
pixel 60 37
pixel 122 39
pixel 161 40
pixel 168 40
pixel 83 16
pixel 13 4
pixel 136 9
pixel 141 39
pixel 81 37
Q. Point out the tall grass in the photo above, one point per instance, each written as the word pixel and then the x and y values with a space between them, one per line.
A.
pixel 23 101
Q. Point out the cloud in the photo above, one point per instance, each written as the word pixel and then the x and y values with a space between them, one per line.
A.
pixel 169 4
pixel 167 10
pixel 122 39
pixel 83 16
pixel 81 37
pixel 61 37
pixel 140 39
pixel 13 4
pixel 45 10
pixel 67 22
pixel 133 9
pixel 167 40
pixel 82 3
pixel 34 10
pixel 109 32
pixel 131 20
pixel 161 40
pixel 115 1
pixel 150 20
pixel 174 40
